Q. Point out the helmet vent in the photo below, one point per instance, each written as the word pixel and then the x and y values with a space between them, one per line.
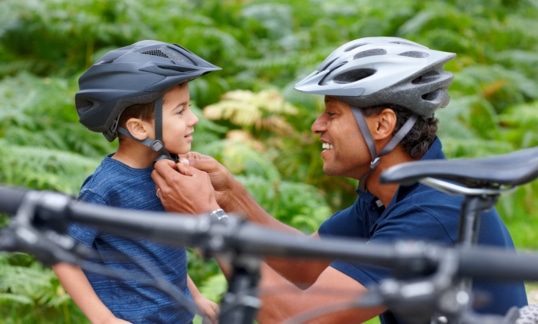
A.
pixel 350 48
pixel 415 54
pixel 155 52
pixel 324 66
pixel 83 105
pixel 166 53
pixel 354 75
pixel 428 77
pixel 372 52
pixel 432 95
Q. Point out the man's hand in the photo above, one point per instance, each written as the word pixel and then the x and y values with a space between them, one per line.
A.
pixel 221 179
pixel 183 189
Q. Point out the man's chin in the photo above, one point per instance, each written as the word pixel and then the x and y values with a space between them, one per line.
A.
pixel 328 171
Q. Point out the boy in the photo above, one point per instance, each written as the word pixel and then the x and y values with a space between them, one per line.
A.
pixel 138 93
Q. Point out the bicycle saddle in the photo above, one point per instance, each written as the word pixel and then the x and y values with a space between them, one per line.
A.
pixel 510 169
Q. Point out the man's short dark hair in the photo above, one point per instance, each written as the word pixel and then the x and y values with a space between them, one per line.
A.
pixel 419 139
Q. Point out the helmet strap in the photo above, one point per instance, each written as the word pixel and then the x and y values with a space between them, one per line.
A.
pixel 375 157
pixel 156 145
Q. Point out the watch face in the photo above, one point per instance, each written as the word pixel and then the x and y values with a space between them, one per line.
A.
pixel 219 214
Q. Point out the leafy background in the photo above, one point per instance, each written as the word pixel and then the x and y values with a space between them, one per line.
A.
pixel 254 122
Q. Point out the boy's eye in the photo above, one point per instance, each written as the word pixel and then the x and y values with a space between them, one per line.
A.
pixel 182 109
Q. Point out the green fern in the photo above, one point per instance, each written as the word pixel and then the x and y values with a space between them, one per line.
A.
pixel 262 47
pixel 42 168
pixel 519 125
pixel 29 291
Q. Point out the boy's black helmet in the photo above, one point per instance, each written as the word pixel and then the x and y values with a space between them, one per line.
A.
pixel 136 74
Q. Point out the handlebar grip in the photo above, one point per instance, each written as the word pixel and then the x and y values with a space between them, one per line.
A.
pixel 11 199
pixel 479 261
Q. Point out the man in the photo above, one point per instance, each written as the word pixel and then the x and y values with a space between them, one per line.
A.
pixel 380 97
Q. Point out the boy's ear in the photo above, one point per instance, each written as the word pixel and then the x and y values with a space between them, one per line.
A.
pixel 385 122
pixel 138 128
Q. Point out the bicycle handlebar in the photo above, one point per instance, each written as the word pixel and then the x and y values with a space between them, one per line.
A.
pixel 42 217
pixel 55 210
pixel 181 229
pixel 11 199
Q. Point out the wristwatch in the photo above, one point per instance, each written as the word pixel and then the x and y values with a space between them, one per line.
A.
pixel 219 214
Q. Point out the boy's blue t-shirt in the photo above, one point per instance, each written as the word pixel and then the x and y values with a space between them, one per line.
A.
pixel 419 212
pixel 118 185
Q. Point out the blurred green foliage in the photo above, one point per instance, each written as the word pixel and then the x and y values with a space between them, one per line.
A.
pixel 264 47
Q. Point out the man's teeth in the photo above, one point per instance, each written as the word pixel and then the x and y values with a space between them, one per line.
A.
pixel 326 146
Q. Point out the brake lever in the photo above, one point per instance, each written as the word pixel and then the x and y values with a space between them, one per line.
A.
pixel 47 246
pixel 44 237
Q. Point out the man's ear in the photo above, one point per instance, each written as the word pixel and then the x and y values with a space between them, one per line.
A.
pixel 385 122
pixel 138 128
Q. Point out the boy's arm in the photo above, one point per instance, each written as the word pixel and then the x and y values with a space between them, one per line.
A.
pixel 192 287
pixel 208 309
pixel 79 288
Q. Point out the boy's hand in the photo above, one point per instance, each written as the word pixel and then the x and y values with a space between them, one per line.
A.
pixel 209 310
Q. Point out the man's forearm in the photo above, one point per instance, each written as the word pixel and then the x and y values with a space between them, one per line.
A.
pixel 299 271
pixel 239 201
pixel 332 299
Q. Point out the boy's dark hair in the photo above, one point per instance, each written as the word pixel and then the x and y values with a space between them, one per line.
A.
pixel 144 111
